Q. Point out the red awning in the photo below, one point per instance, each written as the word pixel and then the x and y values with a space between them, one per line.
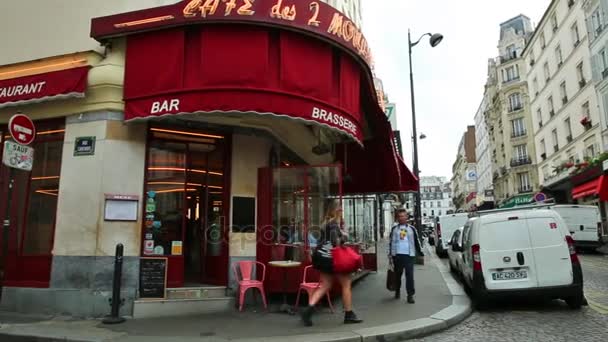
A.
pixel 376 167
pixel 289 76
pixel 592 188
pixel 42 87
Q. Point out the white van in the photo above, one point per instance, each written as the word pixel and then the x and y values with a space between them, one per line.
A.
pixel 445 226
pixel 584 222
pixel 521 252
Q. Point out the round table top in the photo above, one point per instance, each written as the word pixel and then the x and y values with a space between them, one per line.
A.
pixel 284 263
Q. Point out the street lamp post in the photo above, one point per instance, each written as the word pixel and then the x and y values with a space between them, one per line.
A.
pixel 435 39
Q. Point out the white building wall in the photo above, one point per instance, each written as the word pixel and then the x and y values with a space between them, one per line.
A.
pixel 436 196
pixel 483 153
pixel 578 94
pixel 596 13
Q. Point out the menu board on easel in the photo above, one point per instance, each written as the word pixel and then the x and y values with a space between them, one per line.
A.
pixel 152 278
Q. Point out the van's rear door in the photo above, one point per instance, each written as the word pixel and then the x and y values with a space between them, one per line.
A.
pixel 551 252
pixel 582 222
pixel 507 259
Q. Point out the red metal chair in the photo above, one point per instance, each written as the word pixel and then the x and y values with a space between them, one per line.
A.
pixel 310 287
pixel 245 282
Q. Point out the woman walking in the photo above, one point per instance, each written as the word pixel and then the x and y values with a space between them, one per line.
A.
pixel 322 261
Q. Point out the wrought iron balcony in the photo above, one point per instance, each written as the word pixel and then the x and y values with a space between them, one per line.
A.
pixel 519 134
pixel 525 189
pixel 519 161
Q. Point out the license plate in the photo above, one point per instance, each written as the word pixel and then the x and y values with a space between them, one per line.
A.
pixel 510 275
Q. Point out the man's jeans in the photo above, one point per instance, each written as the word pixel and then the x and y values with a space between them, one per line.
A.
pixel 404 262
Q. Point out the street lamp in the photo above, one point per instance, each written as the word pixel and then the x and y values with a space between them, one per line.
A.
pixel 434 40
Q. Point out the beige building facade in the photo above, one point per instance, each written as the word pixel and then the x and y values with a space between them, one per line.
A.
pixel 508 116
pixel 464 173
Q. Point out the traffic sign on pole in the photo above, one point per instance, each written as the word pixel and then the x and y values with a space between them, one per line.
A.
pixel 540 197
pixel 18 156
pixel 22 129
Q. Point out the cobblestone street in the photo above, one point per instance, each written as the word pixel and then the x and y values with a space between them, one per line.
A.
pixel 552 321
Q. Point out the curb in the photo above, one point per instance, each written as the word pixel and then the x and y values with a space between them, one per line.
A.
pixel 457 312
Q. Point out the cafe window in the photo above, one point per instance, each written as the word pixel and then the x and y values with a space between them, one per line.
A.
pixel 302 198
pixel 36 192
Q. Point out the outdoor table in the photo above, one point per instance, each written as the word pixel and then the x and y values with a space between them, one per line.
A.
pixel 284 265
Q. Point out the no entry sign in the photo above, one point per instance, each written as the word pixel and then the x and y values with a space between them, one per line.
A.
pixel 22 129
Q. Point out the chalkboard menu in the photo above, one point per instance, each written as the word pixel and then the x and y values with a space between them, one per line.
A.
pixel 243 214
pixel 152 277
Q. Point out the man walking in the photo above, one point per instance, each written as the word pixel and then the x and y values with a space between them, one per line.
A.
pixel 404 245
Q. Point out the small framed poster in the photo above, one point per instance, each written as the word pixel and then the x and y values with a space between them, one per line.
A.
pixel 121 207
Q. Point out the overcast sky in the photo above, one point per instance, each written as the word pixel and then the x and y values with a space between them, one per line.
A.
pixel 448 79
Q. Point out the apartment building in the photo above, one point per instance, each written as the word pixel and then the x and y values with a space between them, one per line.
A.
pixel 508 117
pixel 436 196
pixel 485 185
pixel 596 12
pixel 464 173
pixel 564 106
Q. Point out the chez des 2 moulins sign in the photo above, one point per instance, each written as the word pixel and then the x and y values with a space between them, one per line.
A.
pixel 312 16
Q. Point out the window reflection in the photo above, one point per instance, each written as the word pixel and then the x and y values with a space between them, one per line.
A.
pixel 300 197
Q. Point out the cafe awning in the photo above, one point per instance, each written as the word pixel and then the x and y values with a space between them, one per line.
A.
pixel 596 187
pixel 60 84
pixel 375 167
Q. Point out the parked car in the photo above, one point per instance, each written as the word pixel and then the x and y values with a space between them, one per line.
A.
pixel 584 222
pixel 521 252
pixel 455 251
pixel 445 227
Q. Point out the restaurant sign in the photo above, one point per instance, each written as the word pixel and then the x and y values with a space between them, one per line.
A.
pixel 310 16
pixel 40 87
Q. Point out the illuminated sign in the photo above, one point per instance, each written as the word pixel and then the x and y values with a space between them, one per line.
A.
pixel 310 16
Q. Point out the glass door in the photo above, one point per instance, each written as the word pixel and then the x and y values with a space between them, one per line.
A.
pixel 185 212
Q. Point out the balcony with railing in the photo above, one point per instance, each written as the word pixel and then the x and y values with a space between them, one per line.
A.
pixel 511 79
pixel 521 161
pixel 516 107
pixel 525 189
pixel 519 134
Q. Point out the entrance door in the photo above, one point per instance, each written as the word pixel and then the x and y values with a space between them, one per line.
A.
pixel 189 167
pixel 207 213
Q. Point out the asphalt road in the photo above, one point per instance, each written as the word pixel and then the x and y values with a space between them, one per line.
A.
pixel 541 321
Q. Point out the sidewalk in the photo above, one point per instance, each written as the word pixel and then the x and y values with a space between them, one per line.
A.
pixel 439 303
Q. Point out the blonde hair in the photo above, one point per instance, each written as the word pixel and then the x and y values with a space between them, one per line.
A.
pixel 331 213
